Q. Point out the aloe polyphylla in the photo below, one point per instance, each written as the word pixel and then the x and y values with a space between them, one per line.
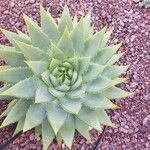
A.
pixel 60 77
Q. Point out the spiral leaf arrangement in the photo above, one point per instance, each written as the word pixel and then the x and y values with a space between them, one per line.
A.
pixel 60 77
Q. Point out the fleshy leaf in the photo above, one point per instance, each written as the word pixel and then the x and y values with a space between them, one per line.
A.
pixel 65 20
pixel 32 53
pixel 82 128
pixel 13 75
pixel 13 36
pixel 48 25
pixel 114 71
pixel 115 92
pixel 77 37
pixel 67 131
pixel 97 101
pixel 104 118
pixel 23 89
pixel 17 112
pixel 37 67
pixel 71 106
pixel 56 117
pixel 19 127
pixel 66 44
pixel 98 85
pixel 89 117
pixel 38 37
pixel 14 58
pixel 106 53
pixel 34 117
pixel 2 89
pixel 93 72
pixel 47 134
pixel 93 44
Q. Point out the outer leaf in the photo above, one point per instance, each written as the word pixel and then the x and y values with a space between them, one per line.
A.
pixel 48 25
pixel 115 92
pixel 66 44
pixel 106 53
pixel 17 112
pixel 93 72
pixel 42 95
pixel 10 106
pixel 71 106
pixel 77 37
pixel 114 71
pixel 47 134
pixel 113 59
pixel 32 53
pixel 89 117
pixel 67 131
pixel 38 38
pixel 104 118
pixel 75 21
pixel 4 88
pixel 56 116
pixel 66 20
pixel 13 36
pixel 19 126
pixel 97 101
pixel 84 63
pixel 13 58
pixel 23 89
pixel 93 44
pixel 34 117
pixel 98 85
pixel 14 75
pixel 37 67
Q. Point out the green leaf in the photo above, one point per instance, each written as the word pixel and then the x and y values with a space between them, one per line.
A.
pixel 87 25
pixel 42 94
pixel 97 101
pixel 77 93
pixel 114 59
pixel 65 20
pixel 89 117
pixel 114 92
pixel 56 53
pixel 37 67
pixel 106 53
pixel 19 127
pixel 48 25
pixel 67 131
pixel 47 134
pixel 75 21
pixel 56 93
pixel 66 44
pixel 82 128
pixel 38 37
pixel 13 75
pixel 104 118
pixel 32 53
pixel 93 71
pixel 12 57
pixel 84 63
pixel 74 62
pixel 23 89
pixel 10 106
pixel 20 33
pixel 34 117
pixel 106 37
pixel 71 106
pixel 56 117
pixel 77 37
pixel 11 36
pixel 17 112
pixel 114 71
pixel 98 85
pixel 93 44
pixel 2 89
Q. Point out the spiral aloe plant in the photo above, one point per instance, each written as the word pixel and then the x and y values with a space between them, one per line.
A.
pixel 60 77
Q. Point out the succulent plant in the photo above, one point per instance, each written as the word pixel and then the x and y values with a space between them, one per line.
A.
pixel 60 77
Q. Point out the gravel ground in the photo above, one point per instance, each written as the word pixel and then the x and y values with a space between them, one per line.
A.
pixel 132 28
